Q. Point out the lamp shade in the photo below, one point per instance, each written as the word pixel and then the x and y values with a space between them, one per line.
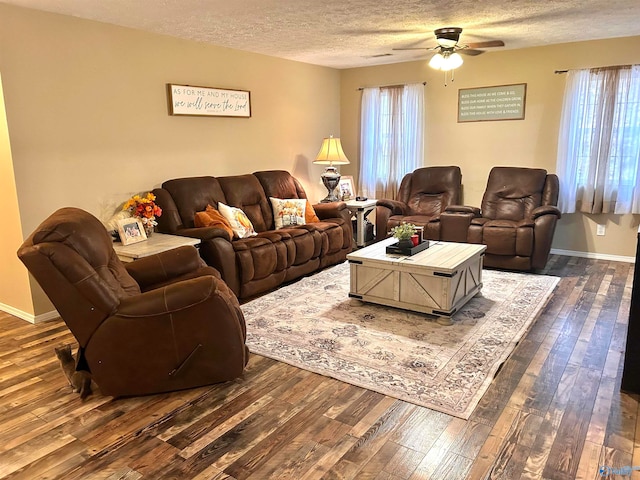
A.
pixel 331 153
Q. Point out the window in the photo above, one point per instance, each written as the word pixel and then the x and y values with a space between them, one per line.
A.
pixel 391 138
pixel 599 143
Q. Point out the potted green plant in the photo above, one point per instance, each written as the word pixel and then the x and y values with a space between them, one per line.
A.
pixel 403 233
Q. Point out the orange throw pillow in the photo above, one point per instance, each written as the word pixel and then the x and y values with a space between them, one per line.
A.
pixel 213 218
pixel 310 214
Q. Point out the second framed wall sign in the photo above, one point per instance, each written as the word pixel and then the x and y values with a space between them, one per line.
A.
pixel 503 102
pixel 208 102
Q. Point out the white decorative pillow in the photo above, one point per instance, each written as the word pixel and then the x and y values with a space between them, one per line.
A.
pixel 112 224
pixel 288 212
pixel 240 223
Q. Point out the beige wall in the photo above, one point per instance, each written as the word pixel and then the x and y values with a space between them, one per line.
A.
pixel 478 146
pixel 87 115
pixel 14 281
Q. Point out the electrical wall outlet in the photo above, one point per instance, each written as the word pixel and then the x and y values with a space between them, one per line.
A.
pixel 601 230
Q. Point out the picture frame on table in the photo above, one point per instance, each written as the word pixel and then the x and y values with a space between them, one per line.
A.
pixel 346 190
pixel 131 231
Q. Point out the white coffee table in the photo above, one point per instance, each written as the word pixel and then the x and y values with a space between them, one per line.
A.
pixel 436 281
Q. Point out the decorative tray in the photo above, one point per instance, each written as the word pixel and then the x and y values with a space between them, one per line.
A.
pixel 396 250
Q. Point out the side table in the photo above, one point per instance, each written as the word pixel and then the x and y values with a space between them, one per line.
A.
pixel 157 243
pixel 360 209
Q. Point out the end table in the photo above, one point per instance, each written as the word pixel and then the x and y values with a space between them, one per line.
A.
pixel 360 209
pixel 156 243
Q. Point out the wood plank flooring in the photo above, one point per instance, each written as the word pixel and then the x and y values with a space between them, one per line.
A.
pixel 554 411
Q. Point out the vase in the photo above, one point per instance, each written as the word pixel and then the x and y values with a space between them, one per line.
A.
pixel 405 243
pixel 148 229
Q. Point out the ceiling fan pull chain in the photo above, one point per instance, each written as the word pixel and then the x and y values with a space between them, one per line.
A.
pixel 445 76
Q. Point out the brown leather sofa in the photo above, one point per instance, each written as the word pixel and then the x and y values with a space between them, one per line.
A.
pixel 423 195
pixel 516 221
pixel 256 264
pixel 163 323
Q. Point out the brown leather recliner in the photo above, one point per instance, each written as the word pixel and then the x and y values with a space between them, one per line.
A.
pixel 163 323
pixel 423 196
pixel 516 221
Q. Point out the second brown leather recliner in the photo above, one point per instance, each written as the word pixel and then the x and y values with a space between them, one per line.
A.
pixel 516 221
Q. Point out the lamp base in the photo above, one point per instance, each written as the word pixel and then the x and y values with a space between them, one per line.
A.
pixel 330 179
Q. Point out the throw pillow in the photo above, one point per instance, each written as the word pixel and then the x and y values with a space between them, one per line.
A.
pixel 310 214
pixel 288 212
pixel 240 223
pixel 213 218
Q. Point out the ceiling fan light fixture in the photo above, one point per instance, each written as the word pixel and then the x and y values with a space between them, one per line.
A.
pixel 448 37
pixel 446 42
pixel 436 61
pixel 446 61
pixel 453 61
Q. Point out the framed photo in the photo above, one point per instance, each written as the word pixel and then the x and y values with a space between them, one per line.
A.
pixel 208 102
pixel 345 188
pixel 131 231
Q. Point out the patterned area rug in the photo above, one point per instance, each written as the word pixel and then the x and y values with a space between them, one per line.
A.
pixel 314 325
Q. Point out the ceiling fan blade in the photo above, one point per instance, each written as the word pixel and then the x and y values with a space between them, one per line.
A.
pixel 470 51
pixel 413 48
pixel 379 55
pixel 487 44
pixel 381 31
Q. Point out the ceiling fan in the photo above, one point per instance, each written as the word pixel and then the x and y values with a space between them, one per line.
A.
pixel 447 51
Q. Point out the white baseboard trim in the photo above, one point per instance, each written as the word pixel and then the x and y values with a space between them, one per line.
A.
pixel 29 317
pixel 595 256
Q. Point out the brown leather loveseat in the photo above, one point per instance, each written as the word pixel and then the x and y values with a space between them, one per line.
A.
pixel 258 263
pixel 165 322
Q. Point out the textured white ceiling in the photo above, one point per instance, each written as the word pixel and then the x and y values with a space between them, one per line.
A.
pixel 351 33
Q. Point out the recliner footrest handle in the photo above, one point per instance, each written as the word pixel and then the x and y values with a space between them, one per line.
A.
pixel 177 370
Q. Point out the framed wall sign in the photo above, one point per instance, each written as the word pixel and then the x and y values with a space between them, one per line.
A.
pixel 208 102
pixel 502 102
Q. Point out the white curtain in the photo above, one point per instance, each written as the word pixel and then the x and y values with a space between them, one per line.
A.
pixel 391 138
pixel 599 142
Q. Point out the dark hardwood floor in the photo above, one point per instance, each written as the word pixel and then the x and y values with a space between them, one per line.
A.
pixel 554 411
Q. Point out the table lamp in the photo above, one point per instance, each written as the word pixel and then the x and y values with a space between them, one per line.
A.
pixel 331 154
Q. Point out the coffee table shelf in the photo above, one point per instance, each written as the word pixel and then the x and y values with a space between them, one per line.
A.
pixel 436 281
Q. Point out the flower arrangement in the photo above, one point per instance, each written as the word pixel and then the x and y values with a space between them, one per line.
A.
pixel 144 208
pixel 404 231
